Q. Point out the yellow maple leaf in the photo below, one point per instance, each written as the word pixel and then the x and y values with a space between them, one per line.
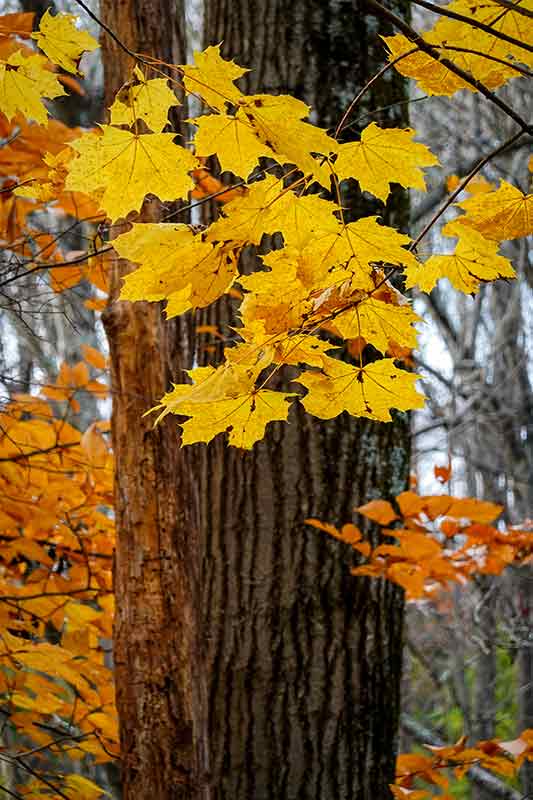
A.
pixel 278 122
pixel 358 246
pixel 384 156
pixel 234 141
pixel 52 187
pixel 24 82
pixel 225 399
pixel 278 298
pixel 474 261
pixel 212 78
pixel 148 100
pixel 268 208
pixel 370 391
pixel 245 418
pixel 513 23
pixel 449 34
pixel 62 41
pixel 120 168
pixel 503 214
pixel 175 265
pixel 483 56
pixel 433 77
pixel 260 210
pixel 379 323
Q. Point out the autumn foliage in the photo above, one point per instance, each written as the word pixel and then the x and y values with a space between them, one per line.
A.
pixel 324 286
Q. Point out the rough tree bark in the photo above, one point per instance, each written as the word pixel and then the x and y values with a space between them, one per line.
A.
pixel 157 661
pixel 304 661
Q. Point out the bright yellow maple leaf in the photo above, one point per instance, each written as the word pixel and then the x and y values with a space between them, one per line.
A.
pixel 62 41
pixel 476 52
pixel 146 100
pixel 278 298
pixel 260 210
pixel 449 34
pixel 379 323
pixel 277 120
pixel 269 208
pixel 212 78
pixel 52 187
pixel 503 214
pixel 474 261
pixel 120 168
pixel 175 265
pixel 234 141
pixel 370 391
pixel 358 246
pixel 24 82
pixel 511 22
pixel 245 418
pixel 384 156
pixel 262 127
pixel 225 399
pixel 432 77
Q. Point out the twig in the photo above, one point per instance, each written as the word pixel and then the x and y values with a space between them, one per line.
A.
pixel 462 185
pixel 433 52
pixel 367 86
pixel 444 11
pixel 111 33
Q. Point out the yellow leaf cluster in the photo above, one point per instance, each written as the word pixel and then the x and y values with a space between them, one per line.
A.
pixel 321 281
pixel 480 54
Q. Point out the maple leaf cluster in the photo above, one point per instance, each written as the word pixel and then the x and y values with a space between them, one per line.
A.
pixel 328 286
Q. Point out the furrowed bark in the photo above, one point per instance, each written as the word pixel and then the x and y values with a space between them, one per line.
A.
pixel 159 676
pixel 304 660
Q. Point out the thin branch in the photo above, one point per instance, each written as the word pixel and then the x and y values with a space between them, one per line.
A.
pixel 433 52
pixel 367 86
pixel 10 793
pixel 515 7
pixel 111 33
pixel 42 266
pixel 444 11
pixel 435 197
pixel 462 185
pixel 478 775
pixel 526 72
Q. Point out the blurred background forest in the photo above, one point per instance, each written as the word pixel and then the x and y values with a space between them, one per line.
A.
pixel 468 661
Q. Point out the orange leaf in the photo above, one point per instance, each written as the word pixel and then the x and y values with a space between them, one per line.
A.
pixel 18 24
pixel 93 357
pixel 95 303
pixel 80 374
pixel 443 474
pixel 410 503
pixel 379 511
pixel 95 446
pixel 475 510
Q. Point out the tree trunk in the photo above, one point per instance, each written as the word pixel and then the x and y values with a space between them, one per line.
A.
pixel 304 660
pixel 158 667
